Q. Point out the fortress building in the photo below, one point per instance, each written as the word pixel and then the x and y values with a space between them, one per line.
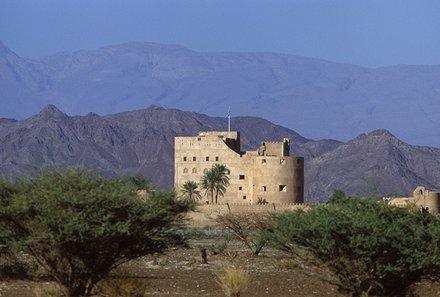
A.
pixel 268 174
pixel 426 200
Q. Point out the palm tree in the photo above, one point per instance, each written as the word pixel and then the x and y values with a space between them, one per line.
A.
pixel 208 183
pixel 189 190
pixel 215 181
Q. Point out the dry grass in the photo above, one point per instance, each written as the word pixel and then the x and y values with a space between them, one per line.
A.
pixel 234 281
pixel 287 264
pixel 48 291
pixel 122 284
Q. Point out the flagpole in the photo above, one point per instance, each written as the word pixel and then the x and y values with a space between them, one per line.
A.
pixel 229 123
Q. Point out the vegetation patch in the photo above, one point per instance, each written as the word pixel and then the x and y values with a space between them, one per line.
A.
pixel 372 247
pixel 79 226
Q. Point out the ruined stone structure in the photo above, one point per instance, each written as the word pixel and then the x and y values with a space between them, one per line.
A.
pixel 268 174
pixel 425 199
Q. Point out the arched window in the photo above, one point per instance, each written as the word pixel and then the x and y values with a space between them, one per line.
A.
pixel 194 170
pixel 185 170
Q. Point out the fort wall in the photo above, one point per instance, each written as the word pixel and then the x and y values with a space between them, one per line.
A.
pixel 205 215
pixel 422 198
pixel 268 174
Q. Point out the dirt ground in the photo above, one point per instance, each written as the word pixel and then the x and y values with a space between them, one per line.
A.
pixel 181 273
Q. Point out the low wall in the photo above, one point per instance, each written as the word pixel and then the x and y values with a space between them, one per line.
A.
pixel 206 214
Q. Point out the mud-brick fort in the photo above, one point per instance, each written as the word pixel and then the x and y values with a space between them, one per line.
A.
pixel 267 174
pixel 422 198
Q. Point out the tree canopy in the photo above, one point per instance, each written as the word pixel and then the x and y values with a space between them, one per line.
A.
pixel 79 226
pixel 372 247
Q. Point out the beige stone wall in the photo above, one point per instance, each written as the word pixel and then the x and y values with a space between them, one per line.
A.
pixel 422 198
pixel 272 148
pixel 276 178
pixel 206 214
pixel 426 199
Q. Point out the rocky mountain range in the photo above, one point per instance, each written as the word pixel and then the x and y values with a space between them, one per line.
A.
pixel 142 141
pixel 321 99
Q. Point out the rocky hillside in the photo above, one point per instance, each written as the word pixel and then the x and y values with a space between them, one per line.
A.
pixel 376 163
pixel 319 98
pixel 141 141
pixel 120 144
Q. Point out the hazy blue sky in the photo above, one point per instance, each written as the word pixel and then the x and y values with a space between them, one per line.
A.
pixel 367 32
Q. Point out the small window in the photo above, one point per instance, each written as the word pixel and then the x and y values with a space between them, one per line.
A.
pixel 282 161
pixel 263 161
pixel 205 170
pixel 263 188
pixel 216 159
pixel 241 176
pixel 184 159
pixel 185 170
pixel 240 188
pixel 282 188
pixel 194 158
pixel 207 158
pixel 244 197
pixel 198 139
pixel 194 170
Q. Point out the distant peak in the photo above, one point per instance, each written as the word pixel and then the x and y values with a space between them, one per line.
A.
pixel 381 132
pixel 51 108
pixel 50 111
pixel 377 136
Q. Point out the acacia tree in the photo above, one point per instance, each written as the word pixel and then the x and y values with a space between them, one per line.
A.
pixel 215 181
pixel 373 248
pixel 247 228
pixel 139 182
pixel 80 226
pixel 190 191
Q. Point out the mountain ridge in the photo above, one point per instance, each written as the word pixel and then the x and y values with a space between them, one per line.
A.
pixel 141 141
pixel 320 98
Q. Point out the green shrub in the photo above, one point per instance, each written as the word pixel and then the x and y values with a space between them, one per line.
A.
pixel 80 226
pixel 372 247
